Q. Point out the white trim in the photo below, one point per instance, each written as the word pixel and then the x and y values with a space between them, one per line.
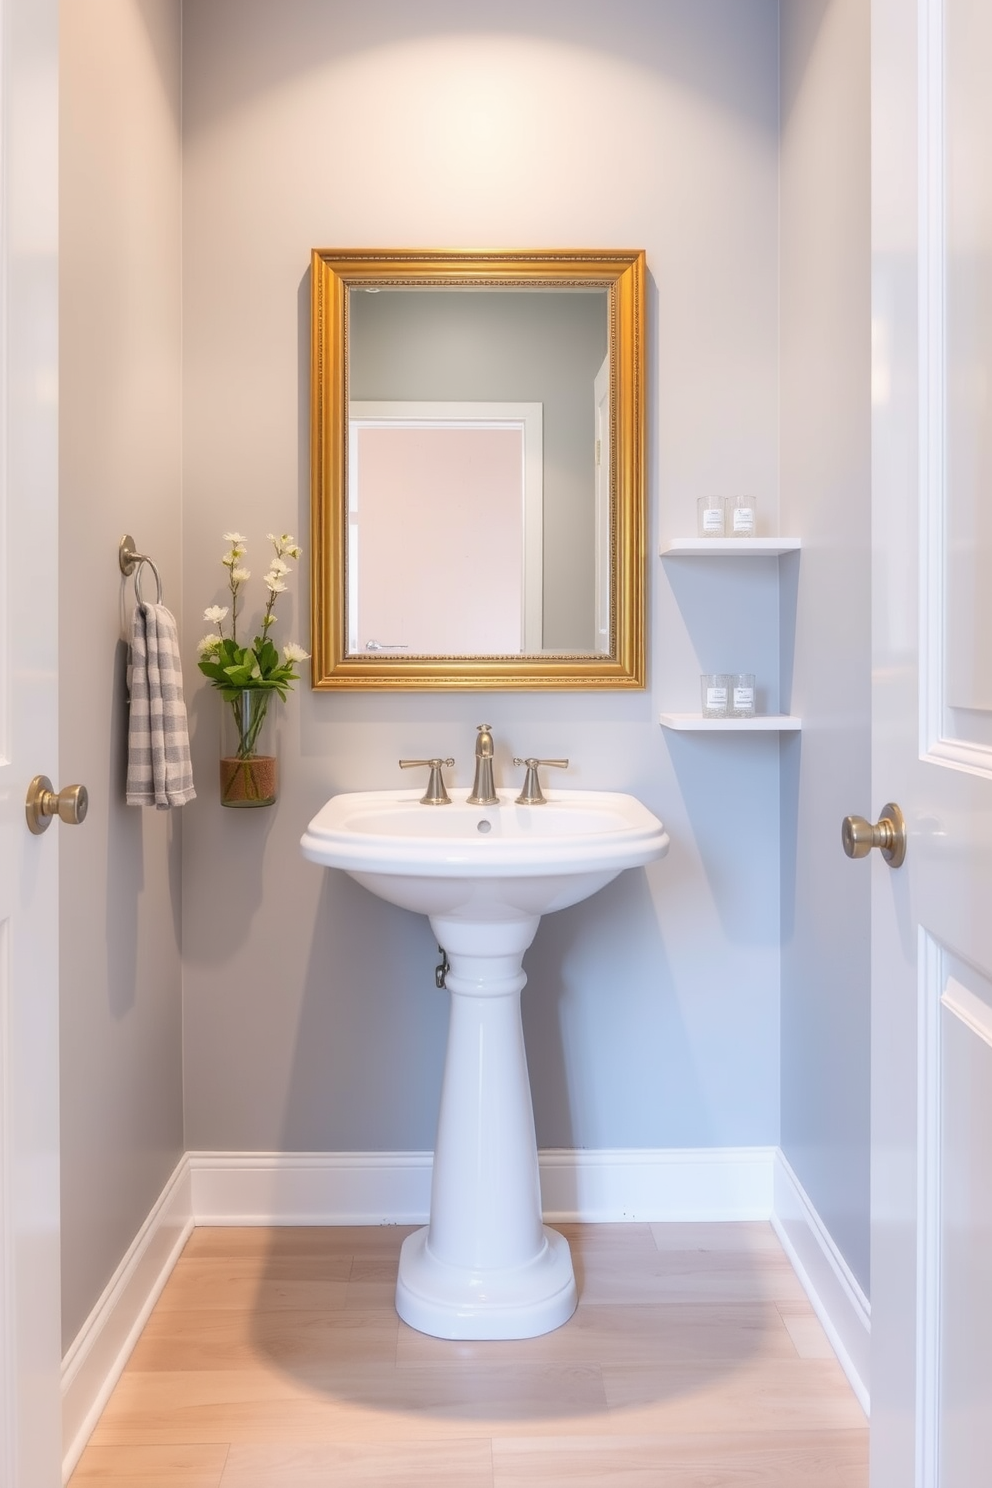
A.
pixel 961 754
pixel 300 1188
pixel 8 1360
pixel 96 1358
pixel 658 1185
pixel 938 988
pixel 975 1014
pixel 932 360
pixel 758 723
pixel 337 1188
pixel 826 1278
pixel 606 1186
pixel 728 547
pixel 931 961
pixel 939 742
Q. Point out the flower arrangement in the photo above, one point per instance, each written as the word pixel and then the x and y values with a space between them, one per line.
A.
pixel 247 675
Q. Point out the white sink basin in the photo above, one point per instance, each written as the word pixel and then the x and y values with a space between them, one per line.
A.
pixel 486 1266
pixel 490 861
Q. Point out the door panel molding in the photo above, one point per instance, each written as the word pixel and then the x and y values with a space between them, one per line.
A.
pixel 951 736
pixel 949 989
pixel 932 981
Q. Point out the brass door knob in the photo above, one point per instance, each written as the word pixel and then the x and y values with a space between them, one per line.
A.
pixel 69 804
pixel 888 834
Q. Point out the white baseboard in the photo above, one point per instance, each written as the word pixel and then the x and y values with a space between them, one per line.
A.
pixel 334 1188
pixel 310 1188
pixel 337 1188
pixel 97 1355
pixel 657 1184
pixel 827 1280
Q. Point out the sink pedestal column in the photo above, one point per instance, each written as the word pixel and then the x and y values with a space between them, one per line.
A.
pixel 486 1266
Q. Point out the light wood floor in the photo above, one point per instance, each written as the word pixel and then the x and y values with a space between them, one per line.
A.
pixel 274 1359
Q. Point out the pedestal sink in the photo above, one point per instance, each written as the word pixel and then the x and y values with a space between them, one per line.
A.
pixel 486 1266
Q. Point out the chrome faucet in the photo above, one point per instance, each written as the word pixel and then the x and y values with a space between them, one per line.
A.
pixel 483 790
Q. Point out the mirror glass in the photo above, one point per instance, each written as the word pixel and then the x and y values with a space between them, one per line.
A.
pixel 476 472
pixel 474 420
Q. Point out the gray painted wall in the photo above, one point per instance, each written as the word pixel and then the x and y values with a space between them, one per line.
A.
pixel 310 1015
pixel 826 453
pixel 515 348
pixel 119 431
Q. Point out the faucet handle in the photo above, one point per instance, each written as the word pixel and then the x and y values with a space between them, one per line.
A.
pixel 532 794
pixel 435 794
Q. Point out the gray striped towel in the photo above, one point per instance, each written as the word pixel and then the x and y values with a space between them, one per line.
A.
pixel 159 772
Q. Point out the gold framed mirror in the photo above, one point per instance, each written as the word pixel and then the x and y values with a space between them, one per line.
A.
pixel 477 469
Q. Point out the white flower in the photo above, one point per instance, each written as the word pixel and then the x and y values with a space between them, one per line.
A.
pixel 278 567
pixel 208 644
pixel 235 539
pixel 284 544
pixel 215 614
pixel 240 575
pixel 230 559
pixel 274 584
pixel 293 652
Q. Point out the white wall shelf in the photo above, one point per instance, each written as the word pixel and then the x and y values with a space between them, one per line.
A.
pixel 728 547
pixel 761 723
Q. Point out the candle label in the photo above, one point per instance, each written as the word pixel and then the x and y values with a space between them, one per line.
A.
pixel 744 520
pixel 744 699
pixel 716 699
pixel 713 519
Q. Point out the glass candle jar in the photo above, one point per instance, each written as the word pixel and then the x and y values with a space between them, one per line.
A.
pixel 711 516
pixel 715 694
pixel 743 516
pixel 742 695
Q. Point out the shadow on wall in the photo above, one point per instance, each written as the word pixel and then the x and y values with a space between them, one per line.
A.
pixel 791 757
pixel 367 1066
pixel 601 1017
pixel 125 876
pixel 739 865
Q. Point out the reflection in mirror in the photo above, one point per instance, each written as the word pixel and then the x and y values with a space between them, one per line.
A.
pixel 445 506
pixel 477 470
pixel 543 347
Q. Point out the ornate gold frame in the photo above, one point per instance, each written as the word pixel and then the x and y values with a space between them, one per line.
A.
pixel 333 272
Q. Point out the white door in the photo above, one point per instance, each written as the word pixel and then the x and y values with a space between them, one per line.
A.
pixel 30 1424
pixel 931 1263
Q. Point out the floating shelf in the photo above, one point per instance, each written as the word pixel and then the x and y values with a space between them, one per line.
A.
pixel 761 723
pixel 728 547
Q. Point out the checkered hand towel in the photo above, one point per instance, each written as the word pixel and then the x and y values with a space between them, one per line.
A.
pixel 158 764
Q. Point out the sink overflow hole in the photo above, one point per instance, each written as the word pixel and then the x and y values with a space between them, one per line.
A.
pixel 484 826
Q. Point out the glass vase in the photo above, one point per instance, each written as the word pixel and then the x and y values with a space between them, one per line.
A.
pixel 249 769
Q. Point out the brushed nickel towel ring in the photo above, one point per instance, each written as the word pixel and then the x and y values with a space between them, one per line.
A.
pixel 132 562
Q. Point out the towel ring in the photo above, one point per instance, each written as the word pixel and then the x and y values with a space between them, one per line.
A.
pixel 133 562
pixel 137 580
